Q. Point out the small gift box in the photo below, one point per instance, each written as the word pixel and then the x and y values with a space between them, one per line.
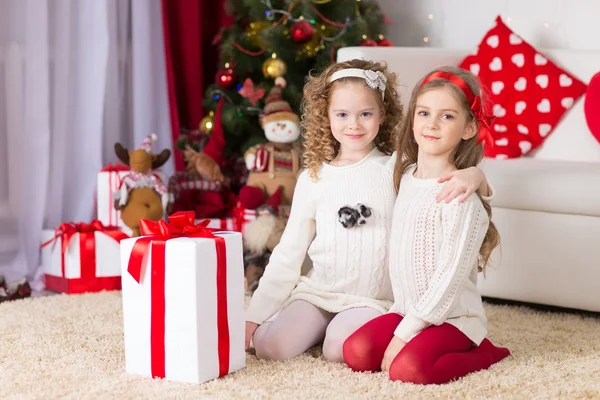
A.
pixel 183 301
pixel 108 182
pixel 80 257
pixel 242 217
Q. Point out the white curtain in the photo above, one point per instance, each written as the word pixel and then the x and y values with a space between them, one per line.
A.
pixel 76 76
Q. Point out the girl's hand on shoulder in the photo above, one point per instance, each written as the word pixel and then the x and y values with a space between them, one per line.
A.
pixel 391 352
pixel 250 328
pixel 463 183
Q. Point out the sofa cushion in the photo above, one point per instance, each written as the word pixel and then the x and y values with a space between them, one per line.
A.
pixel 545 185
pixel 530 93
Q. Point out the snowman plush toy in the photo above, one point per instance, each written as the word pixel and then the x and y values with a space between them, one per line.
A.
pixel 275 164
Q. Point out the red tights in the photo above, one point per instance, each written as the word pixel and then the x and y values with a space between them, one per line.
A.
pixel 437 355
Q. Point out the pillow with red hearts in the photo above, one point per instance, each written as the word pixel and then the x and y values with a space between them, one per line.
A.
pixel 591 106
pixel 530 94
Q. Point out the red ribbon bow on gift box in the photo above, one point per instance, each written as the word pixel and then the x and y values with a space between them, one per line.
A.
pixel 87 253
pixel 181 224
pixel 115 167
pixel 87 242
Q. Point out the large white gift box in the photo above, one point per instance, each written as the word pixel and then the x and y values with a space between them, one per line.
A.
pixel 184 319
pixel 91 266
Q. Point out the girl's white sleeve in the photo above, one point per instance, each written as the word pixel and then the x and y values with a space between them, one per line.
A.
pixel 285 264
pixel 463 229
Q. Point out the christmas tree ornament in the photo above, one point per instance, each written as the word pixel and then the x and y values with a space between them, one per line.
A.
pixel 249 92
pixel 301 31
pixel 206 124
pixel 368 43
pixel 385 43
pixel 310 49
pixel 274 67
pixel 225 78
pixel 254 30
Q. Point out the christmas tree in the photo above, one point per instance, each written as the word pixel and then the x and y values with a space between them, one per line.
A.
pixel 272 38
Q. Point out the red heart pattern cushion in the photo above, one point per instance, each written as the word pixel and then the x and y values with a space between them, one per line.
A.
pixel 529 93
pixel 592 106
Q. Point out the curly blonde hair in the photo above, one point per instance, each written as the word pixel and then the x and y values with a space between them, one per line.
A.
pixel 318 141
pixel 467 154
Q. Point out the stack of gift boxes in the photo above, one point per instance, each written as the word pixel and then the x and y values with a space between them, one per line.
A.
pixel 182 284
pixel 84 257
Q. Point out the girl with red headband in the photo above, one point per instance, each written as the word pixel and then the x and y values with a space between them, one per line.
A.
pixel 341 215
pixel 436 330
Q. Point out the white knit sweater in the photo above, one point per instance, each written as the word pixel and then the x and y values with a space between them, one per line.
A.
pixel 433 260
pixel 349 265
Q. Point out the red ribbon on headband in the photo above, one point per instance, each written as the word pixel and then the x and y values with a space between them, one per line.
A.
pixel 485 132
pixel 181 224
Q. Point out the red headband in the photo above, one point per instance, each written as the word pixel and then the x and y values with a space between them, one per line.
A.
pixel 485 132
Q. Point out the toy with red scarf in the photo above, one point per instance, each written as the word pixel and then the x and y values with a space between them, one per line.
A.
pixel 142 194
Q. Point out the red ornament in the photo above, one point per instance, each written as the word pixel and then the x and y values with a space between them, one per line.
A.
pixel 385 43
pixel 368 43
pixel 302 32
pixel 592 106
pixel 225 78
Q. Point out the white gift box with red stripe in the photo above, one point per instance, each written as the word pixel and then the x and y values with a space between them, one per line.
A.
pixel 81 261
pixel 185 323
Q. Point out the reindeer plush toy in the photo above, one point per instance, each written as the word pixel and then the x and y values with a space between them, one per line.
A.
pixel 142 194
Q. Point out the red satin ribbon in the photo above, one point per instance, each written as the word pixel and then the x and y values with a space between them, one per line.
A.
pixel 485 132
pixel 115 167
pixel 181 224
pixel 87 244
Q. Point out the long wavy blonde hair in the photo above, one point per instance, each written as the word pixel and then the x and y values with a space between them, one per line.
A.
pixel 467 154
pixel 318 141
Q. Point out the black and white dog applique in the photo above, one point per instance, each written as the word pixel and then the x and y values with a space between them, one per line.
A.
pixel 350 217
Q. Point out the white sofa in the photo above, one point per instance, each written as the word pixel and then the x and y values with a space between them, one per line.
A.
pixel 547 205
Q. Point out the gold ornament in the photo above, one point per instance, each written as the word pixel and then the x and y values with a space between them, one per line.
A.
pixel 274 67
pixel 254 30
pixel 206 124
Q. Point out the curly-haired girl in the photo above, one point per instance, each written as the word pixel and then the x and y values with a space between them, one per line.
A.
pixel 341 213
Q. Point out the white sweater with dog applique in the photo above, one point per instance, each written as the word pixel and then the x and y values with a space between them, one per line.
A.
pixel 349 264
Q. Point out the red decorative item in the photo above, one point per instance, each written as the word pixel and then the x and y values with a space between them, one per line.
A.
pixel 225 78
pixel 302 32
pixel 385 43
pixel 248 91
pixel 368 43
pixel 592 106
pixel 530 94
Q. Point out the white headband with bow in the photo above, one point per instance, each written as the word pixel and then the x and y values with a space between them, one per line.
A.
pixel 376 80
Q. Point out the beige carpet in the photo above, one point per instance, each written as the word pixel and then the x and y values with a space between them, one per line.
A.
pixel 71 347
